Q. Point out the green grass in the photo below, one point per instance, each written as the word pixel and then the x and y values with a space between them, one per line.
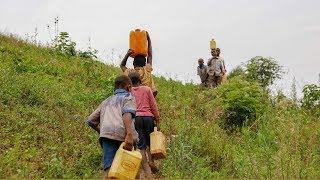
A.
pixel 45 99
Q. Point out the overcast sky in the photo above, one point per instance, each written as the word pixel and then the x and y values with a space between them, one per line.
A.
pixel 288 30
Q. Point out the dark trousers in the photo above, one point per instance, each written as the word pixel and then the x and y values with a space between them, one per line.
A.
pixel 144 125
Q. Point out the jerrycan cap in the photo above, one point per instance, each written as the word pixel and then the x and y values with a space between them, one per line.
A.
pixel 155 129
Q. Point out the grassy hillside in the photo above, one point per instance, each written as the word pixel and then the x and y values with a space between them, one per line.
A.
pixel 45 99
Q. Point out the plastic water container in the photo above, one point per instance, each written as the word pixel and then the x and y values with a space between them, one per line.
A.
pixel 158 144
pixel 125 164
pixel 138 43
pixel 213 44
pixel 224 78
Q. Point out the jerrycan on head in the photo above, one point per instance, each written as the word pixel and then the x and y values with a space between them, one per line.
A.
pixel 138 43
pixel 158 144
pixel 213 44
pixel 125 164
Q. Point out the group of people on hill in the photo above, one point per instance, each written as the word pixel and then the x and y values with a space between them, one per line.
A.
pixel 130 114
pixel 214 73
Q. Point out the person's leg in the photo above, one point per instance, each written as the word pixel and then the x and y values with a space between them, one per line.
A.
pixel 215 81
pixel 210 81
pixel 140 128
pixel 110 148
pixel 149 127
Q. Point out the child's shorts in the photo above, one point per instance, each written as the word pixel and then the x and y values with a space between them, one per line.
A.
pixel 110 148
pixel 144 125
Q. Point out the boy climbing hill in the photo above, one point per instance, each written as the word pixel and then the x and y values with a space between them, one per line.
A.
pixel 144 69
pixel 113 120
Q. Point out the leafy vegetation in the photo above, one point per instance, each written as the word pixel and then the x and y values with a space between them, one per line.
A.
pixel 65 46
pixel 311 98
pixel 259 69
pixel 263 70
pixel 45 97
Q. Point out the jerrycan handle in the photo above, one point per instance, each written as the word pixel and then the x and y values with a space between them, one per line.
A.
pixel 122 144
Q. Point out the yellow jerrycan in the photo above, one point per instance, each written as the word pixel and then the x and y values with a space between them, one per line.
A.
pixel 224 78
pixel 138 43
pixel 125 164
pixel 213 44
pixel 158 144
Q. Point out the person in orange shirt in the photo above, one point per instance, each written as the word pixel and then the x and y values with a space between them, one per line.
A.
pixel 141 66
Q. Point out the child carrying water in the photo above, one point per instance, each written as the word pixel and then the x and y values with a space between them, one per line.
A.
pixel 144 69
pixel 147 117
pixel 113 120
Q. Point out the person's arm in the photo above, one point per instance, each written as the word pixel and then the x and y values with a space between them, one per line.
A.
pixel 222 67
pixel 209 62
pixel 129 112
pixel 94 119
pixel 149 58
pixel 125 59
pixel 154 107
pixel 207 75
pixel 127 121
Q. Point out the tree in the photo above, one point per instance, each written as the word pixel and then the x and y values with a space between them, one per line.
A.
pixel 263 70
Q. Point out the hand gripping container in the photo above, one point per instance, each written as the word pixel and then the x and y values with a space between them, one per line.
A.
pixel 125 164
pixel 158 144
pixel 138 43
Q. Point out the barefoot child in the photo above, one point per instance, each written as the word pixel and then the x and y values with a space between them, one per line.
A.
pixel 113 120
pixel 140 66
pixel 147 117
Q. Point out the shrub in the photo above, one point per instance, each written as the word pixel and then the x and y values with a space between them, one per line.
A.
pixel 243 102
pixel 89 53
pixel 64 45
pixel 237 71
pixel 311 97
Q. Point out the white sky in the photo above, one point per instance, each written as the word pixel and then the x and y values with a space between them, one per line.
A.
pixel 288 30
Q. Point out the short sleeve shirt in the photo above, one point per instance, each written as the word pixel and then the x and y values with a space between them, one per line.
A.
pixel 216 66
pixel 145 101
pixel 109 115
pixel 145 75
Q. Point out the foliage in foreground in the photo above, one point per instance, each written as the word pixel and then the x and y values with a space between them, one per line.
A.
pixel 45 97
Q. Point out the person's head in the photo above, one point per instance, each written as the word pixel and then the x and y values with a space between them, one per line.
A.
pixel 200 62
pixel 215 52
pixel 139 61
pixel 122 82
pixel 135 78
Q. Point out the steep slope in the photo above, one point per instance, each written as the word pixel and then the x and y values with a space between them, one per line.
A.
pixel 45 98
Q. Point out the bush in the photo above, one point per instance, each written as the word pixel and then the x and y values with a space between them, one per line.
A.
pixel 237 71
pixel 64 45
pixel 311 98
pixel 243 102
